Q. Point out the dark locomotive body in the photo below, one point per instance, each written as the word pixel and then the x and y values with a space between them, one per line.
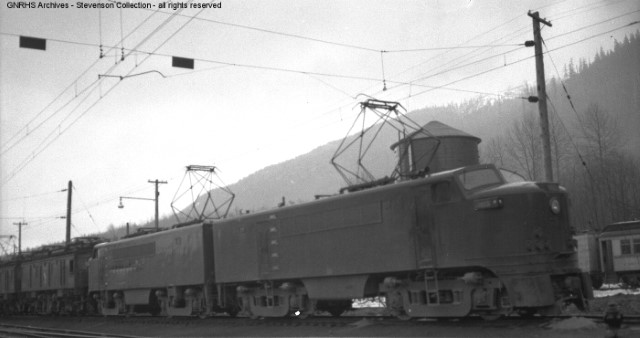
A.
pixel 9 285
pixel 169 272
pixel 456 242
pixel 51 280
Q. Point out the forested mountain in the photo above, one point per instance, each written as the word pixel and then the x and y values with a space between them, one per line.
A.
pixel 595 136
pixel 596 143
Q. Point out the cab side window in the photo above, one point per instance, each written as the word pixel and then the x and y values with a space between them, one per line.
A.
pixel 442 192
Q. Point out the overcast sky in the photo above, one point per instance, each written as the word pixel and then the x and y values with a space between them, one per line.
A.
pixel 272 80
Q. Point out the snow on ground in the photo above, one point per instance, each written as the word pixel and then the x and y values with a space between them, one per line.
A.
pixel 374 302
pixel 614 289
pixel 573 323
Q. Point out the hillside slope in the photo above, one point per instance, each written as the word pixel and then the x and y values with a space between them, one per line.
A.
pixel 612 80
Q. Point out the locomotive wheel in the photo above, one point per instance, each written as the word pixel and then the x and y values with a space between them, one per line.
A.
pixel 395 305
pixel 403 317
pixel 527 312
pixel 336 312
pixel 232 312
pixel 490 317
pixel 334 307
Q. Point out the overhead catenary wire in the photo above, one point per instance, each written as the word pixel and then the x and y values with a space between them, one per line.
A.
pixel 513 50
pixel 592 25
pixel 86 209
pixel 323 41
pixel 93 83
pixel 10 144
pixel 308 38
pixel 486 58
pixel 27 160
pixel 34 195
pixel 439 56
pixel 310 75
pixel 586 8
pixel 353 77
pixel 446 86
pixel 511 34
pixel 228 64
pixel 526 58
pixel 564 87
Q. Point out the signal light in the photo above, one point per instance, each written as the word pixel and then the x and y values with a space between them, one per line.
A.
pixel 554 204
pixel 488 203
pixel 182 62
pixel 33 43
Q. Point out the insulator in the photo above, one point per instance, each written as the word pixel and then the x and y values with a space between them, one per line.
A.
pixel 533 99
pixel 529 43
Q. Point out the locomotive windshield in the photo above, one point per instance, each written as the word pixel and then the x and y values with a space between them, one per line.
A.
pixel 479 178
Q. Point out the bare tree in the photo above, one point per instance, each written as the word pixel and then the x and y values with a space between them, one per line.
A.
pixel 524 147
pixel 495 152
pixel 601 141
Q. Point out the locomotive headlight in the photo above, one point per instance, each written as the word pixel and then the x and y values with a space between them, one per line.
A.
pixel 488 203
pixel 555 205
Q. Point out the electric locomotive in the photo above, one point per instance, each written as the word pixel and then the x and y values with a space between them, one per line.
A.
pixel 50 280
pixel 456 243
pixel 459 241
pixel 169 272
pixel 9 285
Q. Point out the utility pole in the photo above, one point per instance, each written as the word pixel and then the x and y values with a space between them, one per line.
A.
pixel 156 182
pixel 542 93
pixel 20 224
pixel 68 238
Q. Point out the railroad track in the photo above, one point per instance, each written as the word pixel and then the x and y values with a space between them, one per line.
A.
pixel 42 332
pixel 23 327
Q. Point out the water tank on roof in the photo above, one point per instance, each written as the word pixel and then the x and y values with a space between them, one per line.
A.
pixel 437 147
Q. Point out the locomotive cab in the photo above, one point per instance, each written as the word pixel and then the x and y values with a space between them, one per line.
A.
pixel 489 247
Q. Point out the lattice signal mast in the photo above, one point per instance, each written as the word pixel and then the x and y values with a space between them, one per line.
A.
pixel 210 198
